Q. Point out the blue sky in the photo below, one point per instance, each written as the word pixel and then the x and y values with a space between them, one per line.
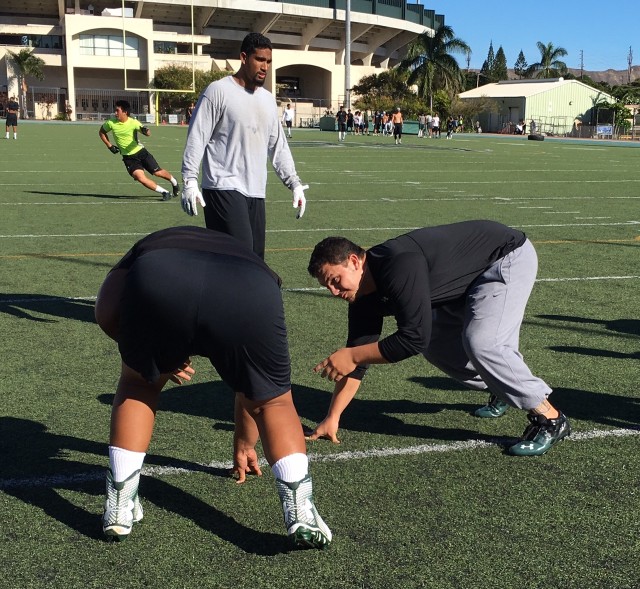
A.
pixel 604 36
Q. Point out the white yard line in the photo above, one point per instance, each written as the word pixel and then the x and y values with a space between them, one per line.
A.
pixel 304 230
pixel 154 471
pixel 58 299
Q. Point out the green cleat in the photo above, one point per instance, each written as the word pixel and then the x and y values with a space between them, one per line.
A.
pixel 122 507
pixel 494 408
pixel 305 527
pixel 540 435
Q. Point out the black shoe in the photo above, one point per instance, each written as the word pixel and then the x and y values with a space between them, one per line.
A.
pixel 176 190
pixel 541 434
pixel 166 196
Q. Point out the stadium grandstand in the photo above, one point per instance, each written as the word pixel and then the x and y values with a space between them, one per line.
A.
pixel 97 51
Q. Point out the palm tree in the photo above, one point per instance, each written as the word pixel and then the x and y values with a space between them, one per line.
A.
pixel 549 65
pixel 26 64
pixel 431 65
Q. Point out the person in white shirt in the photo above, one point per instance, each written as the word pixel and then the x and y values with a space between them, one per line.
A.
pixel 287 118
pixel 234 128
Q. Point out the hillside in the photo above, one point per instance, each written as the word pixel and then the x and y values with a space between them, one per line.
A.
pixel 612 77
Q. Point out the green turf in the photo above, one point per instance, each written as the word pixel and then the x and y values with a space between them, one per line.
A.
pixel 469 517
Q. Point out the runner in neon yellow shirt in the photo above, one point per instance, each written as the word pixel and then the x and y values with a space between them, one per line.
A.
pixel 134 155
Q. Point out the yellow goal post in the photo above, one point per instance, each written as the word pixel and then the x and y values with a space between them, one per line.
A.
pixel 158 90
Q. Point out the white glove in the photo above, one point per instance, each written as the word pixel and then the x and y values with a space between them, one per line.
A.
pixel 191 196
pixel 299 201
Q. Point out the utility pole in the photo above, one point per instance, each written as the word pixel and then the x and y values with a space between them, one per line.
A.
pixel 581 63
pixel 630 63
pixel 347 55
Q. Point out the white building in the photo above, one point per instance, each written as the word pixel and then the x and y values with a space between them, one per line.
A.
pixel 96 51
pixel 556 105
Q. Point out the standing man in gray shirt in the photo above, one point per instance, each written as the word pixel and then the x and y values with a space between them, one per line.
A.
pixel 234 127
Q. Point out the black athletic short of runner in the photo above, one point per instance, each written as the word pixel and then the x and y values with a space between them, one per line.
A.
pixel 141 160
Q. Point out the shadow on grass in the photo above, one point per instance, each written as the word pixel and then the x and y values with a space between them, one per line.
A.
pixel 23 306
pixel 624 327
pixel 604 408
pixel 36 468
pixel 215 401
pixel 96 195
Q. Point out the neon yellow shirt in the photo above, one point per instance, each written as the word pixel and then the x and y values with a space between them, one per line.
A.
pixel 125 134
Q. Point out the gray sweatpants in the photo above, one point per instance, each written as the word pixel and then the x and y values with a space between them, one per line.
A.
pixel 476 340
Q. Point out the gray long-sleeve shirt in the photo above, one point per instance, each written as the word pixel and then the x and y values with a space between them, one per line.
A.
pixel 232 132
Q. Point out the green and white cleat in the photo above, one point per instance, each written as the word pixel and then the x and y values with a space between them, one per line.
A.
pixel 122 506
pixel 541 434
pixel 305 527
pixel 494 408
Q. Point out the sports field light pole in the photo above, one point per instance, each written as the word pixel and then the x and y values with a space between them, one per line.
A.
pixel 347 54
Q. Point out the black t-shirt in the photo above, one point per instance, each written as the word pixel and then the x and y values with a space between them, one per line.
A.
pixel 13 106
pixel 419 271
pixel 341 117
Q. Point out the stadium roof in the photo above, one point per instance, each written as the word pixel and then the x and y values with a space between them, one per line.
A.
pixel 297 24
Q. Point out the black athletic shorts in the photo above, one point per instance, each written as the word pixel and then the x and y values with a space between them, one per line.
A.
pixel 142 160
pixel 233 213
pixel 12 119
pixel 178 303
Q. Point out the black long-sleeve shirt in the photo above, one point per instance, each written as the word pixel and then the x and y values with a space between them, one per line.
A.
pixel 419 271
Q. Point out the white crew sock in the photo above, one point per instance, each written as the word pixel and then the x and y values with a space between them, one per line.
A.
pixel 15 135
pixel 160 189
pixel 124 462
pixel 292 468
pixel 173 181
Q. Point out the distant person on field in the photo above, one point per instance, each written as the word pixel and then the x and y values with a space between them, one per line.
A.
pixel 349 121
pixel 234 129
pixel 429 124
pixel 184 291
pixel 287 118
pixel 435 126
pixel 189 112
pixel 397 121
pixel 458 294
pixel 12 117
pixel 135 156
pixel 341 120
pixel 422 125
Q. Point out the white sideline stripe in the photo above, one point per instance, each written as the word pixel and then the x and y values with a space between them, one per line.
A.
pixel 444 190
pixel 154 471
pixel 54 299
pixel 323 230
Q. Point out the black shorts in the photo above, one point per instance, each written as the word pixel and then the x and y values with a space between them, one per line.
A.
pixel 342 127
pixel 233 213
pixel 178 303
pixel 142 160
pixel 288 124
pixel 12 119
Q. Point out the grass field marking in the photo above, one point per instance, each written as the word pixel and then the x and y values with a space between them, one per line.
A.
pixel 58 299
pixel 347 455
pixel 149 199
pixel 582 278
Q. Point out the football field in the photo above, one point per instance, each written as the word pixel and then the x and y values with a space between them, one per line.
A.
pixel 420 493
